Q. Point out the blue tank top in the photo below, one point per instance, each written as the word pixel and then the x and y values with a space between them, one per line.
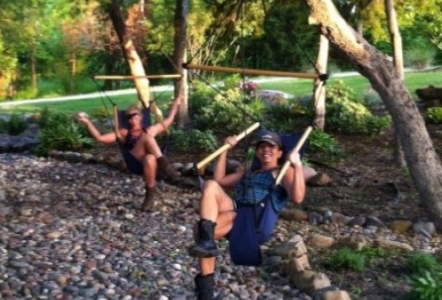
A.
pixel 131 140
pixel 255 186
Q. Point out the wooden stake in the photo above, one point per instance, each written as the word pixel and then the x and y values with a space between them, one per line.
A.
pixel 225 147
pixel 251 71
pixel 117 125
pixel 129 77
pixel 298 146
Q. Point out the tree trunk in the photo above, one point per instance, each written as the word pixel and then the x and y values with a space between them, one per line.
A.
pixel 420 155
pixel 179 56
pixel 34 71
pixel 319 90
pixel 73 72
pixel 129 51
pixel 395 37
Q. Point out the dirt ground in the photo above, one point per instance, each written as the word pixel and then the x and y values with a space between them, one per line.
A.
pixel 368 183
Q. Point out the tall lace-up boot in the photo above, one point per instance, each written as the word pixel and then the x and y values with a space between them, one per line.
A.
pixel 206 245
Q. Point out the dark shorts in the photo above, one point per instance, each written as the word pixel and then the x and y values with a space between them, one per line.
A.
pixel 133 165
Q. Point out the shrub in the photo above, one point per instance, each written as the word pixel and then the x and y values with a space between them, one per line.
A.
pixel 230 112
pixel 347 259
pixel 60 132
pixel 346 112
pixel 287 116
pixel 420 54
pixel 373 253
pixel 435 115
pixel 201 97
pixel 420 262
pixel 193 140
pixel 321 142
pixel 372 99
pixel 62 136
pixel 426 287
pixel 14 126
pixel 102 114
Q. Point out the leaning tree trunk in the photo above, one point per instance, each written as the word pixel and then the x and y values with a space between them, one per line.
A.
pixel 319 90
pixel 179 56
pixel 129 51
pixel 395 37
pixel 420 155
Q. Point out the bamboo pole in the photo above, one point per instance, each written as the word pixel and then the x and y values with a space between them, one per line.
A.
pixel 225 147
pixel 116 124
pixel 250 71
pixel 129 77
pixel 297 147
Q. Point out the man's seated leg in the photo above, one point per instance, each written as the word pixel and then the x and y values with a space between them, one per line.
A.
pixel 150 169
pixel 148 145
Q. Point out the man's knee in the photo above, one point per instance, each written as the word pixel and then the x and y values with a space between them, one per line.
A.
pixel 149 160
pixel 147 137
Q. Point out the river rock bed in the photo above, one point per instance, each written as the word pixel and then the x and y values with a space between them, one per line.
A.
pixel 73 231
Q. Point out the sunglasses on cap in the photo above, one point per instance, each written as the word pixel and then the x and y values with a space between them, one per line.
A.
pixel 130 116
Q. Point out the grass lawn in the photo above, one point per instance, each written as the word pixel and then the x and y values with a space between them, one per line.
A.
pixel 85 105
pixel 296 87
pixel 358 83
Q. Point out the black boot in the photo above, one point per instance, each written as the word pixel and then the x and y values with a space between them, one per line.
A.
pixel 166 169
pixel 206 245
pixel 205 287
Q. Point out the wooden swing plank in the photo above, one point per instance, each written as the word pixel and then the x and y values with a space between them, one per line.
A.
pixel 250 71
pixel 129 77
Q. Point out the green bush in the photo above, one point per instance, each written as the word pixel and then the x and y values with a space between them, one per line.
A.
pixel 228 111
pixel 200 97
pixel 287 116
pixel 193 140
pixel 426 287
pixel 434 115
pixel 346 112
pixel 44 117
pixel 63 137
pixel 321 142
pixel 14 126
pixel 60 132
pixel 371 254
pixel 347 259
pixel 419 54
pixel 102 114
pixel 420 262
pixel 372 99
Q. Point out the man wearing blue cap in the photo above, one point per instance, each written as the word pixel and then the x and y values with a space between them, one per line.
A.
pixel 218 210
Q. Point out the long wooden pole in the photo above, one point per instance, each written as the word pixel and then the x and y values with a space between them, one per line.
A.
pixel 129 77
pixel 117 125
pixel 298 146
pixel 225 147
pixel 250 71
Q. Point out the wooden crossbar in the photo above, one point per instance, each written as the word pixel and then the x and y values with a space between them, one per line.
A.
pixel 250 71
pixel 129 77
